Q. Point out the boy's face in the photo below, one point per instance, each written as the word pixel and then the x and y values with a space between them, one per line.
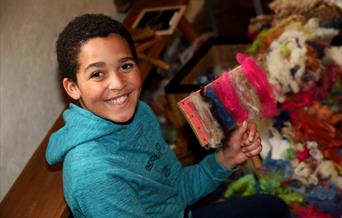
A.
pixel 108 79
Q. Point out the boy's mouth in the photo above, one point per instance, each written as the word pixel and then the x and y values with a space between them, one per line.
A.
pixel 118 100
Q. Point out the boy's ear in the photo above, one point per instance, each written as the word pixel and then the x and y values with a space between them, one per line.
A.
pixel 71 88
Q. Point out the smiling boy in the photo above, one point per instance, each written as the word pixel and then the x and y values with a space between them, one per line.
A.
pixel 115 161
pixel 108 79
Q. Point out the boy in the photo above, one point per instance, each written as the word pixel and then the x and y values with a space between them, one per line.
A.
pixel 115 162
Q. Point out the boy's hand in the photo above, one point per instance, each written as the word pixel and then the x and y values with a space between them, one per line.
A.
pixel 243 143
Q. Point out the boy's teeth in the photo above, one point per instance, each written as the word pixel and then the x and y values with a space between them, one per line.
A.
pixel 118 100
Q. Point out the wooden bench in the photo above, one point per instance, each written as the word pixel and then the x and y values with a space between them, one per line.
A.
pixel 38 190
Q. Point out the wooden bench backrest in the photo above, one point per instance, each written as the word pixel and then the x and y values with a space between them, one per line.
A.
pixel 38 191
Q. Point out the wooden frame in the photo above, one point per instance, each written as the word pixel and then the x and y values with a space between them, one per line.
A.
pixel 163 20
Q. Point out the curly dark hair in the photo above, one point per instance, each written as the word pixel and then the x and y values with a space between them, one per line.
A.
pixel 77 32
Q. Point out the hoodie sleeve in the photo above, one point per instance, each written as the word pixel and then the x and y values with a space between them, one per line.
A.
pixel 195 181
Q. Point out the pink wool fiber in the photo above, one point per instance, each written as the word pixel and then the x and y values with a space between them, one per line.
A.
pixel 257 77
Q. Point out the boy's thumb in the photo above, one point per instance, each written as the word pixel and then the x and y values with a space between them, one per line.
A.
pixel 243 127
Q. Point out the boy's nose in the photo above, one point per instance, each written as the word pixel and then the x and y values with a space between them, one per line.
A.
pixel 116 82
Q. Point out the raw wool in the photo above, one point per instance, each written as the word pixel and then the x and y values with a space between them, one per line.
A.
pixel 314 151
pixel 223 116
pixel 324 112
pixel 338 3
pixel 283 23
pixel 212 127
pixel 247 95
pixel 286 54
pixel 324 10
pixel 334 54
pixel 290 58
pixel 229 98
pixel 284 8
pixel 258 85
pixel 265 38
pixel 317 32
pixel 259 22
pixel 313 145
pixel 309 26
pixel 304 173
pixel 327 170
pixel 274 145
pixel 309 169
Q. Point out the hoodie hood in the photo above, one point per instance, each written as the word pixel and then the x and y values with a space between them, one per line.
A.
pixel 81 126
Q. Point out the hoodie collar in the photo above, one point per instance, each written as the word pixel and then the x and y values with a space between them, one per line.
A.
pixel 82 126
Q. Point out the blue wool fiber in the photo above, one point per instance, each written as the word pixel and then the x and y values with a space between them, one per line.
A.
pixel 224 116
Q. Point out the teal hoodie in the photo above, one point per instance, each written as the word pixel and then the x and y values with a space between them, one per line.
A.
pixel 126 170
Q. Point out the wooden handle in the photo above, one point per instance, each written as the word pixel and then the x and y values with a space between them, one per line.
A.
pixel 256 161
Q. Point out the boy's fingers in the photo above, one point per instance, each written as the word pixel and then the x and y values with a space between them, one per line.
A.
pixel 256 144
pixel 251 132
pixel 253 153
pixel 248 133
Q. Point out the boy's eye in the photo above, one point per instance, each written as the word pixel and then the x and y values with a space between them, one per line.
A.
pixel 127 66
pixel 96 74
